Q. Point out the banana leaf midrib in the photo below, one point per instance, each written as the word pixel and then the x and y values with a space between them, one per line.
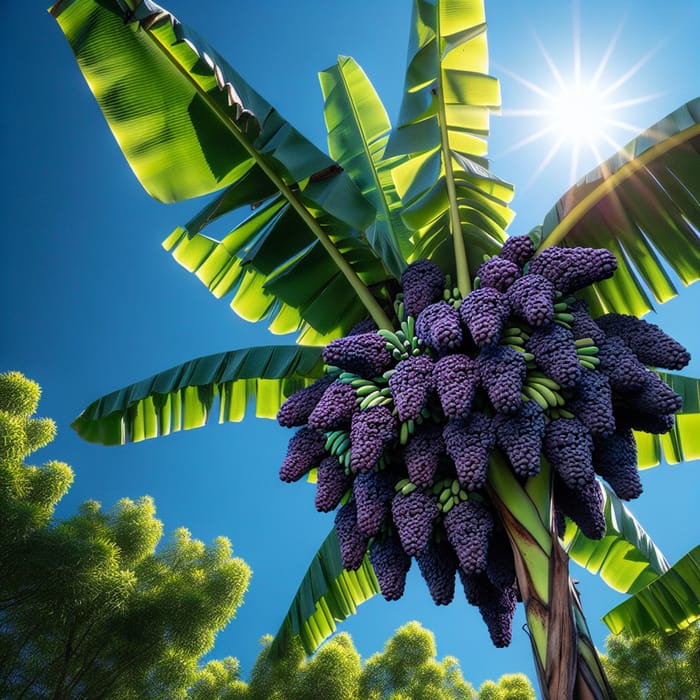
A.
pixel 368 154
pixel 363 293
pixel 577 213
pixel 460 251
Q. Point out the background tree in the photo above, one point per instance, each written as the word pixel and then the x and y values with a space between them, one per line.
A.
pixel 325 247
pixel 407 669
pixel 655 665
pixel 88 607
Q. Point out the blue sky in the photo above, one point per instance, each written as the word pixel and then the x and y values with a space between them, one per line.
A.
pixel 92 302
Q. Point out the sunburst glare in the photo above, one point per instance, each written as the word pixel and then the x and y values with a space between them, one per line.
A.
pixel 581 113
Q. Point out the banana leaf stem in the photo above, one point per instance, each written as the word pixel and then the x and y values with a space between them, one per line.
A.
pixel 609 184
pixel 460 252
pixel 370 303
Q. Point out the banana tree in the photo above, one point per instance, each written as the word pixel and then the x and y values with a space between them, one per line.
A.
pixel 462 394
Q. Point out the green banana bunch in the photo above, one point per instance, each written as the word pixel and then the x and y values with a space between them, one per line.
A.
pixel 543 390
pixel 449 493
pixel 587 352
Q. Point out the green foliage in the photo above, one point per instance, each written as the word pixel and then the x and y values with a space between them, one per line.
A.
pixel 656 666
pixel 408 667
pixel 88 607
pixel 512 686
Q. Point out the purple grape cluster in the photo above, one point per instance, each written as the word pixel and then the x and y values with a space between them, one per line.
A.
pixel 401 428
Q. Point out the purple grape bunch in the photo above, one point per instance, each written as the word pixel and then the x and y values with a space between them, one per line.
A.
pixel 399 431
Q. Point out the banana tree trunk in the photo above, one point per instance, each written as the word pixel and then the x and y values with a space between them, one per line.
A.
pixel 567 664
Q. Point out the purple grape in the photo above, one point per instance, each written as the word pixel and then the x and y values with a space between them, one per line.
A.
pixel 410 384
pixel 498 273
pixel 373 492
pixel 570 269
pixel 469 526
pixel 390 564
pixel 371 431
pixel 366 326
pixel 305 450
pixel 502 371
pixel 555 354
pixel 520 437
pixel 297 408
pixel 438 566
pixel 532 298
pixel 439 328
pixel 500 567
pixel 615 459
pixel 648 342
pixel 456 380
pixel 584 505
pixel 497 612
pixel 414 515
pixel 627 417
pixel 655 397
pixel 332 483
pixel 583 326
pixel 483 313
pixel 353 543
pixel 423 283
pixel 469 443
pixel 624 370
pixel 335 408
pixel 568 447
pixel 592 403
pixel 518 249
pixel 364 354
pixel 422 455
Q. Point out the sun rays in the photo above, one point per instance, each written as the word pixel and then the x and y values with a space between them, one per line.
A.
pixel 583 111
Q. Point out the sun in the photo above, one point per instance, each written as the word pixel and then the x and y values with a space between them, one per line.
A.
pixel 581 113
pixel 578 114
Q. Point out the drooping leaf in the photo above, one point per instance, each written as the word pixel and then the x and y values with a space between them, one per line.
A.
pixel 682 442
pixel 275 269
pixel 186 121
pixel 189 124
pixel 626 558
pixel 358 130
pixel 443 124
pixel 668 604
pixel 328 593
pixel 644 205
pixel 183 397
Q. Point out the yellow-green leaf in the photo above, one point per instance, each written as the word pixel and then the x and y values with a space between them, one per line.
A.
pixel 183 397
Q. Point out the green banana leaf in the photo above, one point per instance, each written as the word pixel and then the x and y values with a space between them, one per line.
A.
pixel 443 124
pixel 328 593
pixel 626 558
pixel 669 604
pixel 277 270
pixel 682 442
pixel 644 205
pixel 358 130
pixel 182 397
pixel 189 124
pixel 186 121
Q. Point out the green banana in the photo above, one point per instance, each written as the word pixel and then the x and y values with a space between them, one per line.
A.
pixel 400 484
pixel 584 342
pixel 444 495
pixel 588 350
pixel 408 488
pixel 403 433
pixel 535 395
pixel 550 396
pixel 543 379
pixel 455 487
